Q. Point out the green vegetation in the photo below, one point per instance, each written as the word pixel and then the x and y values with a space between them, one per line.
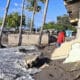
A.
pixel 62 24
pixel 13 20
pixel 31 4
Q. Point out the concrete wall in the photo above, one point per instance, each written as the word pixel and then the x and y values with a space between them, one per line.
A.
pixel 73 9
pixel 4 38
pixel 27 39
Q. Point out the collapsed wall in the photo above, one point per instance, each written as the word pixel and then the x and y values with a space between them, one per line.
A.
pixel 72 7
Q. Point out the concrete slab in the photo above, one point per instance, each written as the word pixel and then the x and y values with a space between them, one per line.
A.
pixel 74 54
pixel 63 51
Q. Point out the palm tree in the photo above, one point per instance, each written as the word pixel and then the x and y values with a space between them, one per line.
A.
pixel 4 19
pixel 20 28
pixel 32 21
pixel 35 8
pixel 44 19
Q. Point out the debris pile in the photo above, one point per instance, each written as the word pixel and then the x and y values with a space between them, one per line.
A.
pixel 13 64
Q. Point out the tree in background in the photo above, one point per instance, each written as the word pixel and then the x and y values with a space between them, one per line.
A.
pixel 58 27
pixel 34 7
pixel 62 24
pixel 63 20
pixel 52 25
pixel 13 20
pixel 49 25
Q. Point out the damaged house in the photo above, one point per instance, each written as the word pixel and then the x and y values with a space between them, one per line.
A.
pixel 72 7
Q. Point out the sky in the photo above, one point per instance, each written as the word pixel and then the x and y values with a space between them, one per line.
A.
pixel 55 8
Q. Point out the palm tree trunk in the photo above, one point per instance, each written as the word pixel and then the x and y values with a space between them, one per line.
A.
pixel 4 20
pixel 32 21
pixel 20 28
pixel 44 19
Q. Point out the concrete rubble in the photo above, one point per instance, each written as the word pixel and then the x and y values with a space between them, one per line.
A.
pixel 13 64
pixel 63 51
pixel 74 54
